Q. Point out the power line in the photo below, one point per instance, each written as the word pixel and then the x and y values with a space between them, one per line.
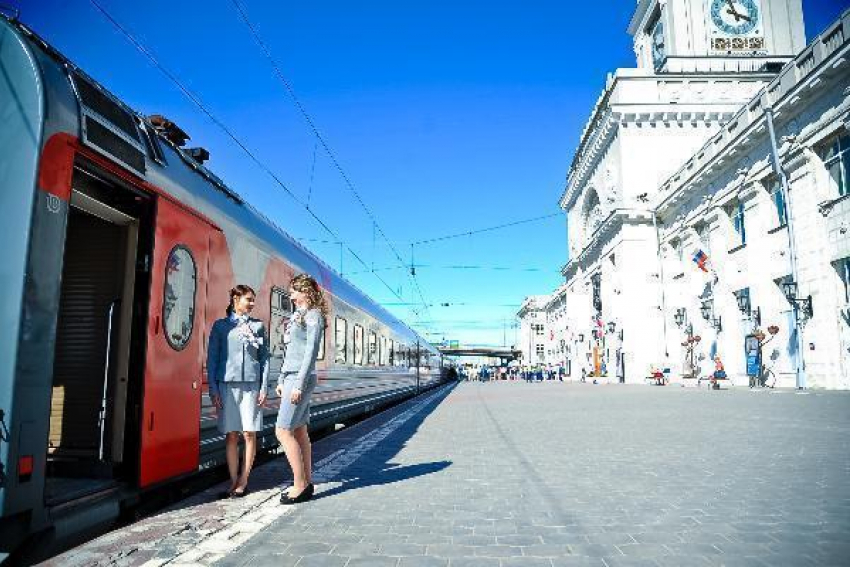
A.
pixel 488 229
pixel 455 304
pixel 195 100
pixel 468 233
pixel 291 92
pixel 462 267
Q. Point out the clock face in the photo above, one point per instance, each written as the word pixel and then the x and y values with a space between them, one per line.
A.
pixel 659 51
pixel 735 17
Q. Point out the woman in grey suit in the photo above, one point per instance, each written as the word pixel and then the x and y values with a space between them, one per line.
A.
pixel 297 381
pixel 237 371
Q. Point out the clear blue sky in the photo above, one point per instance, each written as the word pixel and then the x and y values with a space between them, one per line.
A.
pixel 446 117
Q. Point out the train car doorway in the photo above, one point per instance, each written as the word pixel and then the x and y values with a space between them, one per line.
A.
pixel 93 442
pixel 176 343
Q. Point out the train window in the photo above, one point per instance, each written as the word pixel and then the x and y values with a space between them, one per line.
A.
pixel 384 354
pixel 178 304
pixel 392 352
pixel 281 309
pixel 371 354
pixel 341 341
pixel 358 344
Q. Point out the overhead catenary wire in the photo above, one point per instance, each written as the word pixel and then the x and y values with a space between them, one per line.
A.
pixel 487 229
pixel 223 127
pixel 460 267
pixel 467 233
pixel 312 125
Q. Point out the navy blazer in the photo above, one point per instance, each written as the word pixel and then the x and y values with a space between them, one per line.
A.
pixel 230 358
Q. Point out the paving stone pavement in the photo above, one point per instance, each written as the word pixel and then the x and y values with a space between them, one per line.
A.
pixel 556 474
pixel 553 474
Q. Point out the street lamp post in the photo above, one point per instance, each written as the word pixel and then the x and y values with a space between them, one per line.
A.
pixel 707 310
pixel 690 343
pixel 745 307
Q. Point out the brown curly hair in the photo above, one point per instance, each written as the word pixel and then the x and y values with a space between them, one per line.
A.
pixel 316 297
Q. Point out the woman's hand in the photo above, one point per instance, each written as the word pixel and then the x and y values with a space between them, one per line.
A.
pixel 216 400
pixel 279 390
pixel 261 399
pixel 295 396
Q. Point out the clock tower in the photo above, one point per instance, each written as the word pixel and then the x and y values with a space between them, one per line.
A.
pixel 694 36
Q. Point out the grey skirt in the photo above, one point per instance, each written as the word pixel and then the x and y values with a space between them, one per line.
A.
pixel 292 416
pixel 239 411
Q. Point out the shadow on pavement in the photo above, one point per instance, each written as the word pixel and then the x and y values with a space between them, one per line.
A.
pixel 374 465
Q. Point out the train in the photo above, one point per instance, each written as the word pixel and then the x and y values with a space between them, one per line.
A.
pixel 120 247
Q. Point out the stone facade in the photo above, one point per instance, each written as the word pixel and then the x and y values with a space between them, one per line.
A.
pixel 533 330
pixel 732 177
pixel 637 216
pixel 557 330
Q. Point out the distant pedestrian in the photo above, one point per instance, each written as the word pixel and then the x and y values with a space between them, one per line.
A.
pixel 296 383
pixel 237 372
pixel 719 373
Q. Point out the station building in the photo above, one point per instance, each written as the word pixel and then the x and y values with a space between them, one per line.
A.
pixel 532 330
pixel 683 240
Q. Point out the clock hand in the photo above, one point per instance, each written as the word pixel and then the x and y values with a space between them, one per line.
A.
pixel 738 16
pixel 731 10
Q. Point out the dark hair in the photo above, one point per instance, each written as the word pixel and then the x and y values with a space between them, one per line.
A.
pixel 236 293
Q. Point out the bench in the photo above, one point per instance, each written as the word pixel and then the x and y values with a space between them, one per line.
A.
pixel 714 385
pixel 659 379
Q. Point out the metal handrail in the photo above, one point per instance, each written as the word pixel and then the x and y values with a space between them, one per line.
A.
pixel 102 413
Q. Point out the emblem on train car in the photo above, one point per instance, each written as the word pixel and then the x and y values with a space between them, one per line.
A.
pixel 54 204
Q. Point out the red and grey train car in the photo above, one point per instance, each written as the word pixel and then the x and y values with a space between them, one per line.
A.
pixel 119 251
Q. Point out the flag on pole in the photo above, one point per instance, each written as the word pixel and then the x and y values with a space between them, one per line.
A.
pixel 701 260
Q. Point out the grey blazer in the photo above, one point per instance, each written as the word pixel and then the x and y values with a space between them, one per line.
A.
pixel 305 332
pixel 230 358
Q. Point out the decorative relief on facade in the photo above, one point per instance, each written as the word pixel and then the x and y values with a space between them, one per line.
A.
pixel 594 215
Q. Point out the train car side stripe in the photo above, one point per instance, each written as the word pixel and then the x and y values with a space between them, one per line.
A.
pixel 57 166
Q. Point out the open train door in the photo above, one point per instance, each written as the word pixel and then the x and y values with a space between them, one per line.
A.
pixel 170 426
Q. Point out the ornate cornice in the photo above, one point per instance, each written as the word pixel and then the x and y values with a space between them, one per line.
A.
pixel 603 234
pixel 808 74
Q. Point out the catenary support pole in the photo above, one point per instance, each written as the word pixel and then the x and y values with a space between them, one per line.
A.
pixel 800 368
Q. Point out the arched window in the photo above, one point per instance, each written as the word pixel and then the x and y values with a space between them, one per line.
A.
pixel 178 304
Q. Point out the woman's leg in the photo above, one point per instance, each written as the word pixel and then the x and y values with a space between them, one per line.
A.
pixel 292 449
pixel 232 452
pixel 250 452
pixel 303 438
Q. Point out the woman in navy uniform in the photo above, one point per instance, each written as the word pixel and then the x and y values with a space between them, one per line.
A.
pixel 297 381
pixel 237 371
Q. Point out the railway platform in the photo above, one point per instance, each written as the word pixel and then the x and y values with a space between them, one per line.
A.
pixel 552 474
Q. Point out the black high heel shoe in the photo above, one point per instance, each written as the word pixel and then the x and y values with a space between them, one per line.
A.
pixel 305 495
